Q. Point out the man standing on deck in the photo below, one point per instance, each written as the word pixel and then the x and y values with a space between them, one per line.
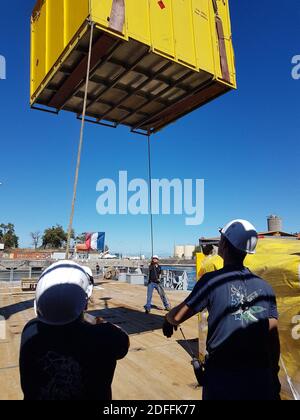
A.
pixel 66 354
pixel 243 348
pixel 154 283
pixel 98 269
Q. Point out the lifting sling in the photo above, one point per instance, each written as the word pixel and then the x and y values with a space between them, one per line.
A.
pixel 222 45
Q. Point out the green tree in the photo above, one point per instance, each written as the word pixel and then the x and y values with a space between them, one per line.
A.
pixel 54 237
pixel 80 238
pixel 36 237
pixel 8 236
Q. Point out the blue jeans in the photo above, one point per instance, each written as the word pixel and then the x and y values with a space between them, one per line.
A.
pixel 161 292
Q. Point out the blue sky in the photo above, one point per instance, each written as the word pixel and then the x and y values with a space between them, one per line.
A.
pixel 245 145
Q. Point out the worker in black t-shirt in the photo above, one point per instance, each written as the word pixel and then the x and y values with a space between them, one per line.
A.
pixel 155 284
pixel 243 347
pixel 66 354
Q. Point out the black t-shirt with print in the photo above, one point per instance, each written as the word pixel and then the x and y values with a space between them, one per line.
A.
pixel 240 305
pixel 73 362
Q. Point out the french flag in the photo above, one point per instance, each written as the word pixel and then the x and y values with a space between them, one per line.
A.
pixel 95 241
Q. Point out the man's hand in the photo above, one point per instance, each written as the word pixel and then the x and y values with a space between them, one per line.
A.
pixel 90 319
pixel 168 329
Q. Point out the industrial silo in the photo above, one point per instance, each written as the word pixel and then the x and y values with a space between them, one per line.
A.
pixel 179 251
pixel 274 224
pixel 189 252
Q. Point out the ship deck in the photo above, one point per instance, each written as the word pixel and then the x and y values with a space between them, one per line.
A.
pixel 156 368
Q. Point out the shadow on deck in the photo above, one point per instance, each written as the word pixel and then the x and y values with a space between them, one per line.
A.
pixel 15 308
pixel 191 346
pixel 131 320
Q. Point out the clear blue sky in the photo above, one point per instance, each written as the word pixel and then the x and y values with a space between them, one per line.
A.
pixel 245 145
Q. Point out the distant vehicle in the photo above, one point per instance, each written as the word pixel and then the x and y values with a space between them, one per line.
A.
pixel 109 257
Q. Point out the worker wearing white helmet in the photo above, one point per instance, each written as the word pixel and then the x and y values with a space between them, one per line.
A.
pixel 243 347
pixel 242 235
pixel 62 293
pixel 66 355
pixel 154 283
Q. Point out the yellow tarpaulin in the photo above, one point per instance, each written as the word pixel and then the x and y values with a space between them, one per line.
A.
pixel 278 262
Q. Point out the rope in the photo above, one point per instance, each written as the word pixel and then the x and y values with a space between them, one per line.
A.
pixel 290 382
pixel 80 143
pixel 150 194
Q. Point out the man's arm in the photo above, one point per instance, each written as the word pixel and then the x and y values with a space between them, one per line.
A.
pixel 196 302
pixel 175 317
pixel 274 344
pixel 274 354
pixel 179 314
pixel 120 341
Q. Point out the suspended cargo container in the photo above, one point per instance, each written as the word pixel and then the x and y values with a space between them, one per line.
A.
pixel 152 61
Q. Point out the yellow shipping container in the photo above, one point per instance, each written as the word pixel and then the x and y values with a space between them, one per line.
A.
pixel 152 61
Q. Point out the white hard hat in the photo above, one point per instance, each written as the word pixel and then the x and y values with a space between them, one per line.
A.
pixel 155 257
pixel 62 293
pixel 89 272
pixel 242 235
